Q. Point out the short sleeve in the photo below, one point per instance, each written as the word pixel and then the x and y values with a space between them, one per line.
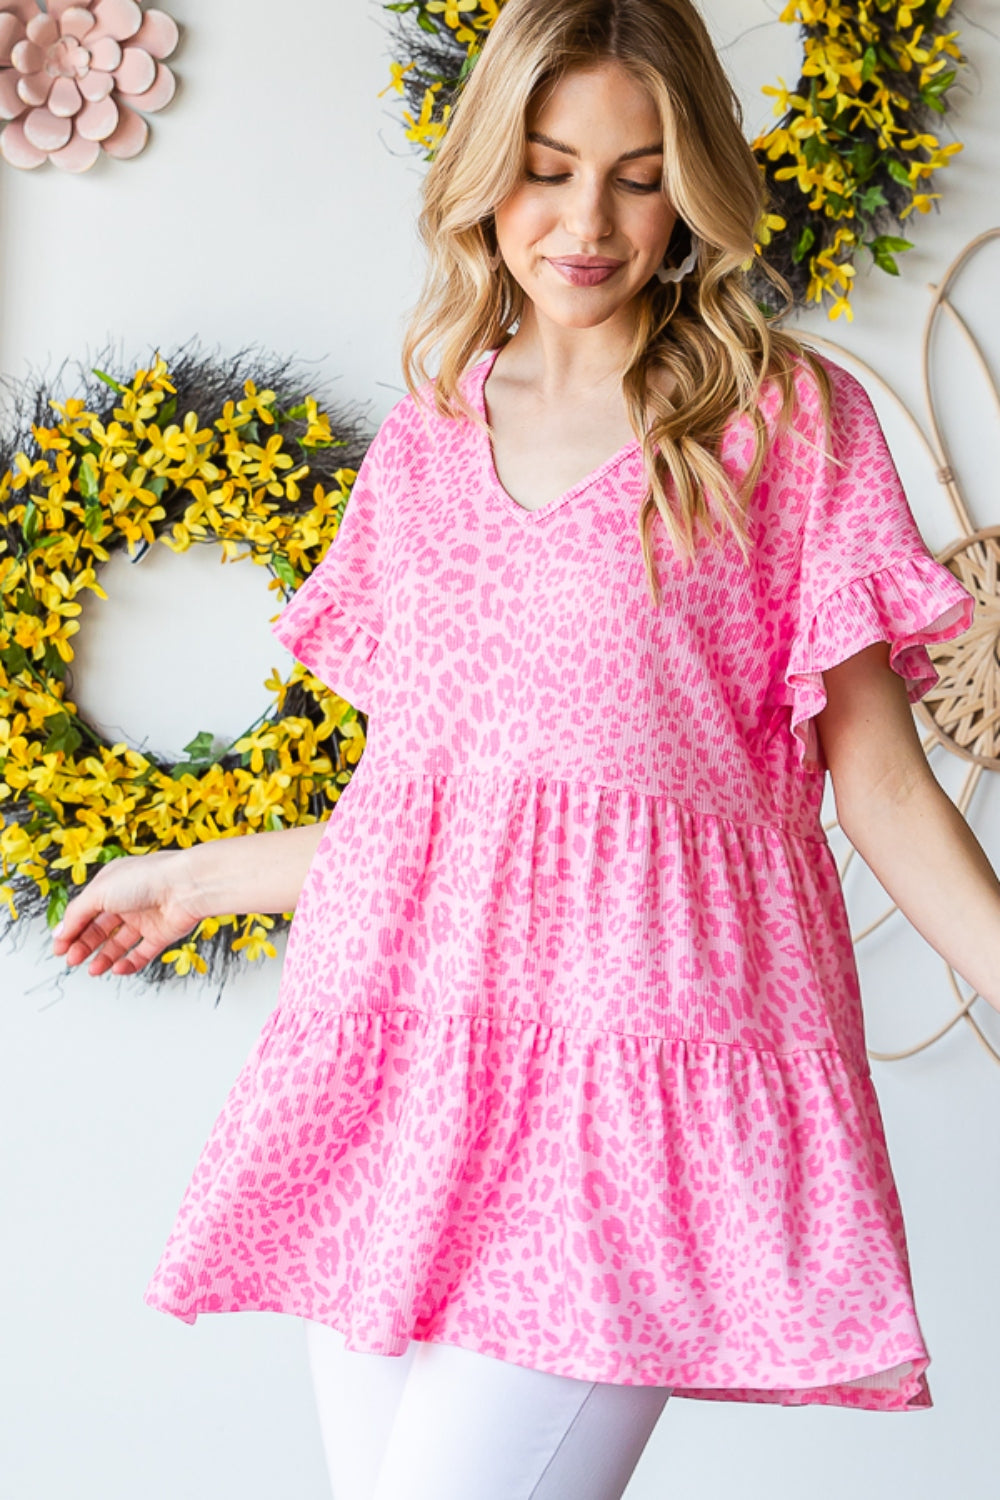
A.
pixel 865 572
pixel 333 622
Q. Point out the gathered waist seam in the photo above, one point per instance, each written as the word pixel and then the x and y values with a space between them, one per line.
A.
pixel 379 777
pixel 604 1033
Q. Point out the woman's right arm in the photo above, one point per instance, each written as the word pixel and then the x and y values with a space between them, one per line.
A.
pixel 137 906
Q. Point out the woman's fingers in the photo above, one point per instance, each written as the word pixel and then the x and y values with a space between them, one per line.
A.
pixel 113 943
pixel 79 913
pixel 90 939
pixel 117 944
pixel 132 962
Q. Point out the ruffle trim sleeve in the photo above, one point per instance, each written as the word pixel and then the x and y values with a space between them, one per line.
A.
pixel 913 602
pixel 341 652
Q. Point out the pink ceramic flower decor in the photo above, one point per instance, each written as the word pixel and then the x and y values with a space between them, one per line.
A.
pixel 73 76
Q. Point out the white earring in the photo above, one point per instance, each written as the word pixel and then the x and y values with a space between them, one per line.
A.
pixel 677 273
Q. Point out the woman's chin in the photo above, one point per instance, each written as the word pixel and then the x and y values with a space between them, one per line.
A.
pixel 579 311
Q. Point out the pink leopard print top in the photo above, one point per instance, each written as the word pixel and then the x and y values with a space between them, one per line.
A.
pixel 568 1064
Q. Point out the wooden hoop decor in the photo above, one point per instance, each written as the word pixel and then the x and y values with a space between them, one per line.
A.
pixel 964 707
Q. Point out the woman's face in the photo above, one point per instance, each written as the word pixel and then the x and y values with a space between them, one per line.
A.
pixel 589 222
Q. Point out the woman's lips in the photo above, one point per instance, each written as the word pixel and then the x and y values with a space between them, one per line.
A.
pixel 580 272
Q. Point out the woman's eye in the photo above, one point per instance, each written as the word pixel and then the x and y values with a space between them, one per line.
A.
pixel 625 182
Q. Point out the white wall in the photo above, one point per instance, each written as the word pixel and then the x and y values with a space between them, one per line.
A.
pixel 275 204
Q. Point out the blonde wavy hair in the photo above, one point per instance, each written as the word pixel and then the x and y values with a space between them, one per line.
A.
pixel 706 332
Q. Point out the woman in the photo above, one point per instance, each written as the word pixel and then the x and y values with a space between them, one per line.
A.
pixel 565 1104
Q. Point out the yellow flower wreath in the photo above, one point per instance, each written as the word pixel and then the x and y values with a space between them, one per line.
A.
pixel 140 474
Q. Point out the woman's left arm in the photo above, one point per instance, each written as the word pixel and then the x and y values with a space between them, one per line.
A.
pixel 903 824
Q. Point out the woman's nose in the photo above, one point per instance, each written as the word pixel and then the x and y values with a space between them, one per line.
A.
pixel 587 213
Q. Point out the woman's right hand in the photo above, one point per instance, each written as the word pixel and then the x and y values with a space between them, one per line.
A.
pixel 130 911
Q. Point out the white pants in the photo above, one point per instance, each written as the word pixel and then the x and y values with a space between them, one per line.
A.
pixel 443 1423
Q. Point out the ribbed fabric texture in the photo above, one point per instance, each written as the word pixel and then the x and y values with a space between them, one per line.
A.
pixel 568 1064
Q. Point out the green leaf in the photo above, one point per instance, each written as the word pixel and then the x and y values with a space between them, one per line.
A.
pixel 53 663
pixel 58 902
pixel 933 102
pixel 30 523
pixel 167 411
pixel 814 150
pixel 157 485
pixel 273 821
pixel 425 23
pixel 90 486
pixel 868 64
pixel 805 242
pixel 63 735
pixel 898 171
pixel 110 852
pixel 110 380
pixel 871 199
pixel 282 568
pixel 93 520
pixel 191 768
pixel 49 540
pixel 14 658
pixel 885 262
pixel 938 84
pixel 41 804
pixel 26 604
pixel 297 413
pixel 200 747
pixel 891 242
pixel 862 157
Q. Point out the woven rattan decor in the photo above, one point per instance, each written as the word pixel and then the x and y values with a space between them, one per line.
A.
pixel 962 712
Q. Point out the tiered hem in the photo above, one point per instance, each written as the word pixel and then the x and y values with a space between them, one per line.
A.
pixel 612 1207
pixel 911 604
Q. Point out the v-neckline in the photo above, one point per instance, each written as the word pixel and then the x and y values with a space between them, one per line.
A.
pixel 491 476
